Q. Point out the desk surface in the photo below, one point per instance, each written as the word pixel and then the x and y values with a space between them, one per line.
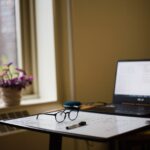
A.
pixel 100 127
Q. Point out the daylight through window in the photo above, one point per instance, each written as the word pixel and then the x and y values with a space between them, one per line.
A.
pixel 8 44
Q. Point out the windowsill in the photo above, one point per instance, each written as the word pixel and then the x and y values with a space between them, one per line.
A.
pixel 35 101
pixel 28 102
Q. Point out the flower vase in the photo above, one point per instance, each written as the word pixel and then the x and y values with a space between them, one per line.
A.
pixel 11 96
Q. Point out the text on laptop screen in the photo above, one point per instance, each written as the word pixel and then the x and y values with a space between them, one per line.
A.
pixel 133 78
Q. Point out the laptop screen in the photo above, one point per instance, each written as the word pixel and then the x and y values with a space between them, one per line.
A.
pixel 132 82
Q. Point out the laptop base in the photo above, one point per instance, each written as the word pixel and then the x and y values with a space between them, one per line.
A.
pixel 120 109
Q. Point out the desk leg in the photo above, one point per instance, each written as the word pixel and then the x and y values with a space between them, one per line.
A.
pixel 55 142
pixel 112 145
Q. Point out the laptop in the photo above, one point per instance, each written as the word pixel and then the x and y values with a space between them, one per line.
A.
pixel 131 96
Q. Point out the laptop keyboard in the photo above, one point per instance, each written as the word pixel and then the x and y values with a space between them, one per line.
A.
pixel 129 110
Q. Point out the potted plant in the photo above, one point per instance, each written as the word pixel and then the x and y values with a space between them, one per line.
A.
pixel 12 81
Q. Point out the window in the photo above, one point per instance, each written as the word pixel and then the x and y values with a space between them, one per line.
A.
pixel 28 32
pixel 8 38
pixel 11 49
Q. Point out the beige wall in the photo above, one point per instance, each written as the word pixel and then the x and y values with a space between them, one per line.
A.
pixel 103 32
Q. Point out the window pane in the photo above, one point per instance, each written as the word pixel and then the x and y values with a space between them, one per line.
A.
pixel 8 44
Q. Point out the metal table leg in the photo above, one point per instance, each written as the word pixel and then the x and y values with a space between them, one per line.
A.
pixel 112 145
pixel 55 141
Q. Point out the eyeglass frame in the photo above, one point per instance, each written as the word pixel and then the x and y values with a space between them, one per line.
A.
pixel 68 112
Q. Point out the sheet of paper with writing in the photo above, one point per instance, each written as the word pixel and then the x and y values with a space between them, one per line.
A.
pixel 98 125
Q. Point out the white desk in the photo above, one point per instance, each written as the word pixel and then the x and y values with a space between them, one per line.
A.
pixel 100 127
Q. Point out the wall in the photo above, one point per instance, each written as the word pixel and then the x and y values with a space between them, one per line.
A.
pixel 103 31
pixel 25 141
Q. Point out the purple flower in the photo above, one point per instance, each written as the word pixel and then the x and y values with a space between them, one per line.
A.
pixel 14 79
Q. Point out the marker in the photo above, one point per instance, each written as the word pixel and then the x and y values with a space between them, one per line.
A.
pixel 82 123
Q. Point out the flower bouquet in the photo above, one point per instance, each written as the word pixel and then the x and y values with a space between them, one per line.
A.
pixel 12 81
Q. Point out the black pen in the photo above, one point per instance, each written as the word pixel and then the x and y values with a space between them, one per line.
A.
pixel 82 123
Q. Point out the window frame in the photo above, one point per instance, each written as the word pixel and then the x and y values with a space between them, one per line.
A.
pixel 33 47
pixel 29 53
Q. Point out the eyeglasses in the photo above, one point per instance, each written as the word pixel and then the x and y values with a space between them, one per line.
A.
pixel 60 116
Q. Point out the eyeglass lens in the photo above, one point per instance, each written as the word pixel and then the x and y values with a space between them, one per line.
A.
pixel 73 114
pixel 60 116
